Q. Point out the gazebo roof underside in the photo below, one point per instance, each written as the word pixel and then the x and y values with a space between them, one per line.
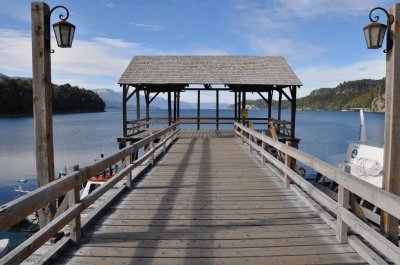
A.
pixel 229 70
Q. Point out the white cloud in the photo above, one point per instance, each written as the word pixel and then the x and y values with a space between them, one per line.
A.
pixel 87 59
pixel 330 76
pixel 149 25
pixel 292 50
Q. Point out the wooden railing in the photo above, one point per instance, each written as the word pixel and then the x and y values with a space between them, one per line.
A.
pixel 343 218
pixel 15 211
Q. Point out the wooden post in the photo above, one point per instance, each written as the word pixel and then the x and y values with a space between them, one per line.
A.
pixel 147 98
pixel 391 158
pixel 263 145
pixel 341 227
pixel 217 108
pixel 235 93
pixel 73 198
pixel 198 109
pixel 280 105
pixel 137 103
pixel 178 106
pixel 174 107
pixel 244 105
pixel 269 105
pixel 288 162
pixel 169 108
pixel 124 116
pixel 42 102
pixel 239 106
pixel 151 148
pixel 128 177
pixel 293 91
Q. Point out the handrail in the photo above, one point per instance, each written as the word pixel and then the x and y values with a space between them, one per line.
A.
pixel 387 201
pixel 14 211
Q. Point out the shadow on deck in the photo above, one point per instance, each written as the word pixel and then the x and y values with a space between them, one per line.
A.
pixel 207 201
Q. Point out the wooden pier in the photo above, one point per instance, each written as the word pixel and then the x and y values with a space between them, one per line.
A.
pixel 206 196
pixel 207 201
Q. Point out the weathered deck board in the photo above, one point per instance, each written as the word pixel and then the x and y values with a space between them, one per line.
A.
pixel 208 202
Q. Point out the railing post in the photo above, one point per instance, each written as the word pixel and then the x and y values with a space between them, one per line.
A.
pixel 151 148
pixel 341 227
pixel 128 177
pixel 73 198
pixel 263 148
pixel 288 162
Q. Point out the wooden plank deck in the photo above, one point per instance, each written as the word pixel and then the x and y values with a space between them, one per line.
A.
pixel 208 202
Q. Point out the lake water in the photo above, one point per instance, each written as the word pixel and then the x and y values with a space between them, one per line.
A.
pixel 81 138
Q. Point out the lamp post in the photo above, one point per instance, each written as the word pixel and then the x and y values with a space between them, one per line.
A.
pixel 42 92
pixel 374 35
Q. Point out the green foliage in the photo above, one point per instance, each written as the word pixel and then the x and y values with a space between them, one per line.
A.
pixel 350 94
pixel 16 98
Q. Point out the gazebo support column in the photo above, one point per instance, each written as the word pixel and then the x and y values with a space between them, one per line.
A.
pixel 175 107
pixel 124 116
pixel 147 97
pixel 270 105
pixel 235 109
pixel 293 90
pixel 169 108
pixel 198 109
pixel 244 105
pixel 178 105
pixel 137 104
pixel 280 105
pixel 217 108
pixel 239 106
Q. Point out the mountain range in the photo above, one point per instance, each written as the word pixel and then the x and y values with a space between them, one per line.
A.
pixel 113 100
pixel 365 93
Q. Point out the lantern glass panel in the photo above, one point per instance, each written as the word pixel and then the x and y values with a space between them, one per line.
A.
pixel 57 33
pixel 374 34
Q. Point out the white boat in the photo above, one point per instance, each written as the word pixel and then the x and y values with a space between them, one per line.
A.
pixel 364 160
pixel 4 246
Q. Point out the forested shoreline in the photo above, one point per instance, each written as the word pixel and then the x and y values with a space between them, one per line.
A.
pixel 16 98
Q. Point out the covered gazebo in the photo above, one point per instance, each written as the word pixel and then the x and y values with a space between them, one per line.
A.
pixel 152 75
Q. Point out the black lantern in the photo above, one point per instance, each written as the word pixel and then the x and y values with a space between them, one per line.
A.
pixel 64 32
pixel 375 32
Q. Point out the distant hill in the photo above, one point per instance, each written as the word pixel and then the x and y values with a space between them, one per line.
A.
pixel 365 93
pixel 113 100
pixel 16 98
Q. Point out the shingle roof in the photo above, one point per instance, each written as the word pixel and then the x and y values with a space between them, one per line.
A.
pixel 237 70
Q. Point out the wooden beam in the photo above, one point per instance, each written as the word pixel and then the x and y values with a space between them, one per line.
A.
pixel 243 103
pixel 147 98
pixel 217 108
pixel 262 96
pixel 239 106
pixel 174 106
pixel 235 109
pixel 391 158
pixel 293 112
pixel 280 105
pixel 131 94
pixel 137 104
pixel 198 110
pixel 269 105
pixel 124 112
pixel 179 104
pixel 169 109
pixel 286 95
pixel 151 100
pixel 42 102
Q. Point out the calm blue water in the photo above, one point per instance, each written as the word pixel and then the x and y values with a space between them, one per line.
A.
pixel 81 138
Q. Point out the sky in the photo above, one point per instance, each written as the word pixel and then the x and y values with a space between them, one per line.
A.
pixel 322 40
